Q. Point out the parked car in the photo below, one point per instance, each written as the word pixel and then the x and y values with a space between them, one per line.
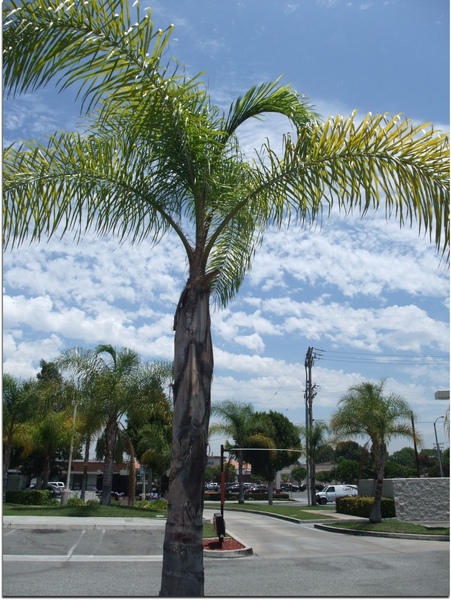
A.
pixel 59 484
pixel 212 486
pixel 289 487
pixel 318 487
pixel 331 492
pixel 234 488
pixel 55 489
pixel 256 489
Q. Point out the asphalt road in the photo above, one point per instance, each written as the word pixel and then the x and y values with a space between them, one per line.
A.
pixel 288 560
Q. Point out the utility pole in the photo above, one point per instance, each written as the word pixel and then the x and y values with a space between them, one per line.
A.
pixel 310 393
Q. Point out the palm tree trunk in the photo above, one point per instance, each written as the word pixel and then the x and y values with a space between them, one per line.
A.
pixel 312 481
pixel 240 478
pixel 84 480
pixel 7 458
pixel 45 472
pixel 110 442
pixel 131 483
pixel 270 493
pixel 183 569
pixel 379 455
pixel 149 482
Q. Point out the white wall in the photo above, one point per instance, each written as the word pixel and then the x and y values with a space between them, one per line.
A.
pixel 423 499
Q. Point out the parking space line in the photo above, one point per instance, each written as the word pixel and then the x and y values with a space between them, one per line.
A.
pixel 71 551
pixel 79 558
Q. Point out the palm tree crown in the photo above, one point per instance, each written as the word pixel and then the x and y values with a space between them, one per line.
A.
pixel 367 411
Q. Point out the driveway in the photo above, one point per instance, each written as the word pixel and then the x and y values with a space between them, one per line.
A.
pixel 289 560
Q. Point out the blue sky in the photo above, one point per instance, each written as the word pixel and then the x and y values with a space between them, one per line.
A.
pixel 372 297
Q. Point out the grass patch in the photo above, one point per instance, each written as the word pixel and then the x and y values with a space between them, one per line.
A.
pixel 90 510
pixel 391 527
pixel 295 511
pixel 209 531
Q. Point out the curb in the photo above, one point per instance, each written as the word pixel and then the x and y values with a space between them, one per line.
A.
pixel 240 552
pixel 406 536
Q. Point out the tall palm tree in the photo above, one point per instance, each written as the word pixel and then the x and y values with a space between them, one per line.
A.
pixel 367 411
pixel 157 156
pixel 236 423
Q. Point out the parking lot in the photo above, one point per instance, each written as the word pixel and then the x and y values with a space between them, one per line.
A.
pixel 114 559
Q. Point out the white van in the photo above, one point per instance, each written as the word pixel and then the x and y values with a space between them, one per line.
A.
pixel 331 492
pixel 58 484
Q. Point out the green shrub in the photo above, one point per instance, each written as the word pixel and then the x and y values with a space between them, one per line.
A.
pixel 156 504
pixel 75 501
pixel 360 506
pixel 92 502
pixel 29 497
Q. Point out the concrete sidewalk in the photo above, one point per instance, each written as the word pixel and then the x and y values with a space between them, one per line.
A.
pixel 117 523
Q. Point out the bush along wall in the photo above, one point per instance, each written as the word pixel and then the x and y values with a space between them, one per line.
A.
pixel 360 506
pixel 216 496
pixel 29 497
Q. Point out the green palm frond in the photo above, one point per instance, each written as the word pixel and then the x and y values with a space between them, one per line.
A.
pixel 101 45
pixel 158 156
pixel 267 98
pixel 359 166
pixel 76 184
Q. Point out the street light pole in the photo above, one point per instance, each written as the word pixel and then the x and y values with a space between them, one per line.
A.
pixel 438 447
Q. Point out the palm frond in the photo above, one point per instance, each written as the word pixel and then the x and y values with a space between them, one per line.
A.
pixel 97 44
pixel 359 166
pixel 267 98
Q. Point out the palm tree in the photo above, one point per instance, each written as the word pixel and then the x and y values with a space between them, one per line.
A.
pixel 154 449
pixel 273 431
pixel 316 437
pixel 117 382
pixel 157 156
pixel 19 403
pixel 236 423
pixel 367 411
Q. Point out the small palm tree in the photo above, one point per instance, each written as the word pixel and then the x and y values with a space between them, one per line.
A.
pixel 236 423
pixel 366 411
pixel 154 449
pixel 315 436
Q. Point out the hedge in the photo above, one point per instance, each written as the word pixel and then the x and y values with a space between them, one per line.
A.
pixel 29 497
pixel 360 506
pixel 216 496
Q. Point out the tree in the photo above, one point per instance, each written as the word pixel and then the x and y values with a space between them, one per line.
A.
pixel 349 449
pixel 48 435
pixel 366 411
pixel 237 422
pixel 279 436
pixel 19 401
pixel 150 432
pixel 326 453
pixel 315 436
pixel 347 470
pixel 157 156
pixel 299 473
pixel 118 384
